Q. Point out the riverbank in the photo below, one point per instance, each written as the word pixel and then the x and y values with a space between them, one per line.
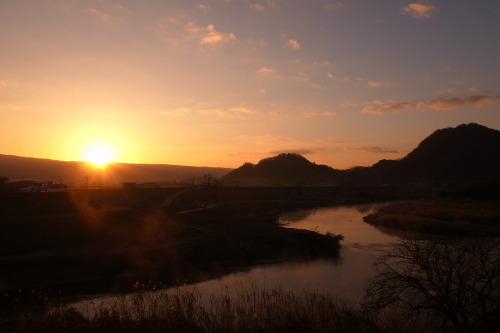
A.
pixel 469 211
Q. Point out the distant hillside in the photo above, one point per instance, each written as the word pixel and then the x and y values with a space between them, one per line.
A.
pixel 79 173
pixel 465 153
pixel 284 170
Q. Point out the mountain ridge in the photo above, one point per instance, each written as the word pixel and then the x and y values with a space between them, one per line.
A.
pixel 465 153
pixel 18 168
pixel 453 154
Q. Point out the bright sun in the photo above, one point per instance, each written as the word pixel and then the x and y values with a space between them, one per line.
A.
pixel 99 154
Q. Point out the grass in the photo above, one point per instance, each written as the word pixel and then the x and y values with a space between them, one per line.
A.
pixel 186 310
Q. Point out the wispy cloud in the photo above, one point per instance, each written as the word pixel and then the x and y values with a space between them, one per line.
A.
pixel 478 89
pixel 293 44
pixel 258 6
pixel 356 81
pixel 441 103
pixel 268 72
pixel 203 7
pixel 208 111
pixel 375 149
pixel 292 151
pixel 243 110
pixel 106 11
pixel 374 84
pixel 314 114
pixel 334 5
pixel 180 33
pixel 100 15
pixel 272 144
pixel 419 10
pixel 212 36
pixel 180 112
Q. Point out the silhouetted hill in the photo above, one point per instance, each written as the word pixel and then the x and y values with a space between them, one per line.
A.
pixel 284 170
pixel 79 173
pixel 466 153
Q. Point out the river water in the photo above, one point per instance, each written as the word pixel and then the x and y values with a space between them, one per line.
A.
pixel 346 277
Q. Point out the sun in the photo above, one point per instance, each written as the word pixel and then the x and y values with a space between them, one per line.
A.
pixel 99 154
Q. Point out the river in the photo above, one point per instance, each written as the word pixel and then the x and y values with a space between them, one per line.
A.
pixel 347 276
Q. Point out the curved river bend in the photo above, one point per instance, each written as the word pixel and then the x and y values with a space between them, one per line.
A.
pixel 346 277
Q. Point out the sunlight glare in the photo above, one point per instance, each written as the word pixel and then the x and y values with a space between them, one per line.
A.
pixel 99 154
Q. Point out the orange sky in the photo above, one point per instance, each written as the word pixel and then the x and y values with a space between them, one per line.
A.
pixel 223 82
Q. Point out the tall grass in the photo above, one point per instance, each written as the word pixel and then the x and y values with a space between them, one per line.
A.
pixel 186 310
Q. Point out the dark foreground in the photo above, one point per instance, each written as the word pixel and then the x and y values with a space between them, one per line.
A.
pixel 84 242
pixel 94 241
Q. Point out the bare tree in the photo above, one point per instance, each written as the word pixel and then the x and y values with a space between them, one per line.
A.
pixel 453 286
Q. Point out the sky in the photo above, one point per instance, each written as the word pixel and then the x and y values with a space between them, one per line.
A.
pixel 223 82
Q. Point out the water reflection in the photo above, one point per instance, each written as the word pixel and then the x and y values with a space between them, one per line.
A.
pixel 345 220
pixel 346 276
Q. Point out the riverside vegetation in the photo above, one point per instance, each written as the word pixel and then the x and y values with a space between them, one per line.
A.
pixel 421 286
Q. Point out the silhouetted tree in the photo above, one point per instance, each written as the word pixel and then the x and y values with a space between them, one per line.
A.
pixel 451 286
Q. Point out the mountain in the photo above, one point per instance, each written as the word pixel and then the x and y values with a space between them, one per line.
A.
pixel 284 170
pixel 81 173
pixel 465 153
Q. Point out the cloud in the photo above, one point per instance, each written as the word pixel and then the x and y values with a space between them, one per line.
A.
pixel 441 103
pixel 212 112
pixel 180 112
pixel 267 72
pixel 419 10
pixel 374 84
pixel 258 6
pixel 376 149
pixel 206 110
pixel 271 144
pixel 378 107
pixel 478 89
pixel 314 114
pixel 293 151
pixel 243 110
pixel 477 101
pixel 180 33
pixel 212 36
pixel 294 44
pixel 101 16
pixel 112 5
pixel 334 5
pixel 204 8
